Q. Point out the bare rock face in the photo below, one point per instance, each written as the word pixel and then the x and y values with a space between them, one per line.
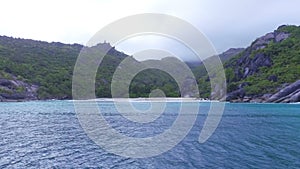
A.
pixel 295 97
pixel 238 94
pixel 291 93
pixel 263 41
pixel 249 63
pixel 281 36
pixel 17 90
pixel 288 94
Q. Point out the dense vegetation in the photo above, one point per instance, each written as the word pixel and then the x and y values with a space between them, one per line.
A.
pixel 142 87
pixel 258 70
pixel 273 65
pixel 50 66
pixel 285 67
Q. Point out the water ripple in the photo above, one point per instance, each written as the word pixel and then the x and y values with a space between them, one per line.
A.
pixel 48 135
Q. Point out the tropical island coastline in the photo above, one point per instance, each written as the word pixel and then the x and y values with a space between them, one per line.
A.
pixel 266 71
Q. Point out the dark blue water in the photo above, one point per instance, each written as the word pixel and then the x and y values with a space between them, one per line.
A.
pixel 48 134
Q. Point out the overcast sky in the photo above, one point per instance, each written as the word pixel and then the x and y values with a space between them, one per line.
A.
pixel 226 23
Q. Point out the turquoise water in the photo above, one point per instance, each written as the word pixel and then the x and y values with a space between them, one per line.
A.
pixel 48 134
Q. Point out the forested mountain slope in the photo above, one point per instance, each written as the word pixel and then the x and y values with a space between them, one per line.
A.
pixel 271 64
pixel 266 71
pixel 48 67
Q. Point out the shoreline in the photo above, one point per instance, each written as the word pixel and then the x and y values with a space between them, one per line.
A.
pixel 166 99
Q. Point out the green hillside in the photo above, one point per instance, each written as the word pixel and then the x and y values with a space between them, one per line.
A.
pixel 270 63
pixel 50 67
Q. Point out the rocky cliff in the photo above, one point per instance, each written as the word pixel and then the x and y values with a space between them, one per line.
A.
pixel 268 70
pixel 288 94
pixel 251 59
pixel 12 89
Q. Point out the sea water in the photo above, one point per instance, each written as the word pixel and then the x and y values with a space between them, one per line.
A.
pixel 46 134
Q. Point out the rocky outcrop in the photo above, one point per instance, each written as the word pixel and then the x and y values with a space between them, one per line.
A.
pixel 291 93
pixel 236 95
pixel 263 41
pixel 250 61
pixel 288 94
pixel 225 56
pixel 17 90
pixel 244 68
